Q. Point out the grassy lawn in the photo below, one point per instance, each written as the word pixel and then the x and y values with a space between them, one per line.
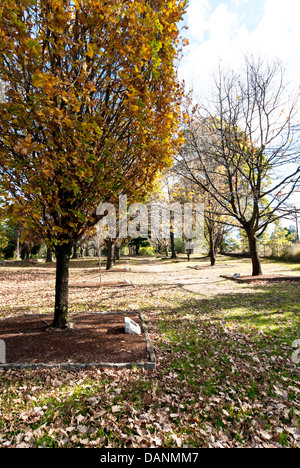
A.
pixel 224 376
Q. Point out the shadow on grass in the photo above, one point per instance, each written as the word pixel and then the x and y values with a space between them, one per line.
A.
pixel 273 309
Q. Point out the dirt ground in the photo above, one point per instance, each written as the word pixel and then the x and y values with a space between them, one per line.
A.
pixel 198 277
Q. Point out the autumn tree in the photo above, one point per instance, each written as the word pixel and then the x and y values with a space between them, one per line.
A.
pixel 242 149
pixel 92 99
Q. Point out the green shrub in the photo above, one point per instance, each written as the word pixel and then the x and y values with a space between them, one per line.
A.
pixel 179 246
pixel 124 250
pixel 147 250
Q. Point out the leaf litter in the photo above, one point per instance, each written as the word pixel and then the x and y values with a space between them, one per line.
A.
pixel 224 376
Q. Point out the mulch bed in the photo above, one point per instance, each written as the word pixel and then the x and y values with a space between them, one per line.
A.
pixel 262 278
pixel 94 338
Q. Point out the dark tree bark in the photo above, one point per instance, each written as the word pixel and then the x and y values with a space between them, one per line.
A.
pixel 49 258
pixel 63 253
pixel 117 253
pixel 110 254
pixel 212 251
pixel 75 255
pixel 172 242
pixel 256 264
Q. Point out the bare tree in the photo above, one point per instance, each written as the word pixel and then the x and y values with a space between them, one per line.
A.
pixel 243 150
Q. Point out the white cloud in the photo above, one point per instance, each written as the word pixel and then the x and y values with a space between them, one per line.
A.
pixel 278 34
pixel 232 29
pixel 198 12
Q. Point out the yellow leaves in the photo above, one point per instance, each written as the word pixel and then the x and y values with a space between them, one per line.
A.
pixel 33 45
pixel 181 140
pixel 170 116
pixel 97 129
pixel 103 93
pixel 38 79
pixel 47 82
pixel 77 4
pixel 91 50
pixel 135 109
pixel 186 118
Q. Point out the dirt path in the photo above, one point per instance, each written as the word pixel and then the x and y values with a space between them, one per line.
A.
pixel 198 276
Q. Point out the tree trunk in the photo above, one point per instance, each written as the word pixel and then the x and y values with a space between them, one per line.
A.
pixel 212 258
pixel 212 248
pixel 256 265
pixel 172 242
pixel 75 251
pixel 212 254
pixel 63 253
pixel 110 254
pixel 117 253
pixel 49 255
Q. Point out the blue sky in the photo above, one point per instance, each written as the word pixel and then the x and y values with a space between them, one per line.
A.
pixel 225 30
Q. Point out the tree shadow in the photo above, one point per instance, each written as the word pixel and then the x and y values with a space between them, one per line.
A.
pixel 273 307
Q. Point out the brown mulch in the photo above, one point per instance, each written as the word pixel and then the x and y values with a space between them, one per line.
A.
pixel 94 338
pixel 262 278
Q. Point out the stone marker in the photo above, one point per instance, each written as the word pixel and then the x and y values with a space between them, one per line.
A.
pixel 131 327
